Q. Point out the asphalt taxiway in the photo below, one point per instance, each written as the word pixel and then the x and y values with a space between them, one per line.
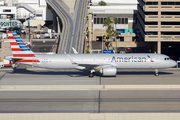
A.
pixel 74 77
pixel 88 100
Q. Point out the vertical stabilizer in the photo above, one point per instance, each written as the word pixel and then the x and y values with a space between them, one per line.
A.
pixel 20 50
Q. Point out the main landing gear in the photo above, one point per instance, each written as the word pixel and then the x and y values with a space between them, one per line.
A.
pixel 91 73
pixel 156 73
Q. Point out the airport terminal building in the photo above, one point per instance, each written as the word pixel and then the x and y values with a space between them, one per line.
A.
pixel 24 10
pixel 154 23
pixel 126 12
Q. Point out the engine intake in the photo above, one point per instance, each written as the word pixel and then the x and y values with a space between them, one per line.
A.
pixel 109 71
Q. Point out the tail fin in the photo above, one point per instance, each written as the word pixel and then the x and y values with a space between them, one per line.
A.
pixel 18 47
pixel 21 52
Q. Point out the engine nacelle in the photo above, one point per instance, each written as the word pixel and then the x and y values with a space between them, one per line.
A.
pixel 109 71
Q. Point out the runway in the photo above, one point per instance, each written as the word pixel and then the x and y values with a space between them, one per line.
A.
pixel 89 101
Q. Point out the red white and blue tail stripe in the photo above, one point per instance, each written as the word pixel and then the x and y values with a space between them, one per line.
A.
pixel 21 52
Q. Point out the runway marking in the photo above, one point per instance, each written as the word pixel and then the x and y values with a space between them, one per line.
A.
pixel 81 100
pixel 85 98
pixel 57 97
pixel 80 104
pixel 102 97
pixel 139 104
pixel 51 104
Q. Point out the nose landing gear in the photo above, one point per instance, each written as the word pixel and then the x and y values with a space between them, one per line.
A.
pixel 156 73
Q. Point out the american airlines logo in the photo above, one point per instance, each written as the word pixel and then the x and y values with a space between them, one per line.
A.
pixel 128 59
pixel 150 58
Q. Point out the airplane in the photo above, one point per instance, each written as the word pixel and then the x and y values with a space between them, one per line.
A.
pixel 106 64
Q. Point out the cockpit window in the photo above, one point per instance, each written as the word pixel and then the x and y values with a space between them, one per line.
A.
pixel 167 58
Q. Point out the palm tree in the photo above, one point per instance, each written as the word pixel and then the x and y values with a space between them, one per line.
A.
pixel 111 32
pixel 115 20
pixel 107 23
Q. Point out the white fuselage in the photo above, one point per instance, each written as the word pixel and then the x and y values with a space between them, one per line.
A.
pixel 58 61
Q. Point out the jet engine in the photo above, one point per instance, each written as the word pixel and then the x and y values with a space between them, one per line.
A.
pixel 109 71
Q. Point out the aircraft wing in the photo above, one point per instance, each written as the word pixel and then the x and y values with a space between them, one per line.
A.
pixel 94 66
pixel 90 66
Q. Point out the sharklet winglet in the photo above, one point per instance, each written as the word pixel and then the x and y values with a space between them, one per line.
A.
pixel 74 50
pixel 72 61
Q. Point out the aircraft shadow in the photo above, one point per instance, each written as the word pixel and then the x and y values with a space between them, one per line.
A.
pixel 141 73
pixel 83 73
pixel 53 72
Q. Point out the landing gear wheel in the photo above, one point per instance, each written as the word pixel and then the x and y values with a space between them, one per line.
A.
pixel 91 75
pixel 156 73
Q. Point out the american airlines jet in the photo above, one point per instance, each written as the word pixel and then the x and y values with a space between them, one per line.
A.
pixel 106 64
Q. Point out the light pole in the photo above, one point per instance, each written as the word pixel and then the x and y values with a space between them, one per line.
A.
pixel 103 37
pixel 118 38
pixel 116 45
pixel 29 30
pixel 29 27
pixel 102 44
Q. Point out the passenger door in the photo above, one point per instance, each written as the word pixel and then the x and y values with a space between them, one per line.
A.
pixel 157 59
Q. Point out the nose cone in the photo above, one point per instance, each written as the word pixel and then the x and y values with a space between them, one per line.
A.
pixel 173 63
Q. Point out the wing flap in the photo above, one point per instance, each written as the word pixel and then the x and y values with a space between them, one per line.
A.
pixel 94 66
